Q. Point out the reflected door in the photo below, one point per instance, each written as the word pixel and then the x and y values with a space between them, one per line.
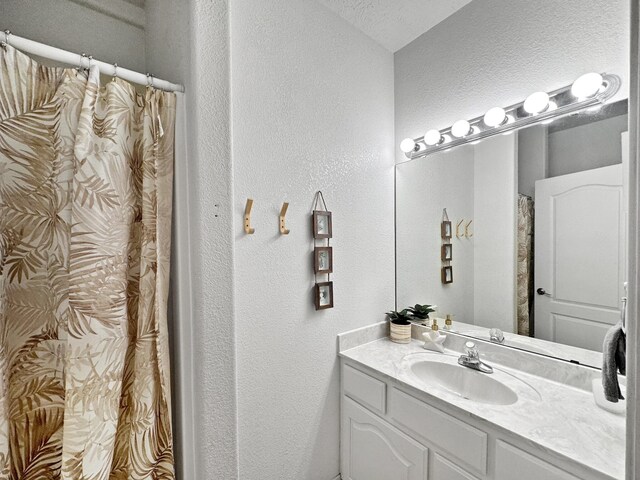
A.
pixel 579 256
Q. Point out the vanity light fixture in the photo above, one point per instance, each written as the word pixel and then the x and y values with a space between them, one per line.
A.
pixel 587 85
pixel 536 103
pixel 461 129
pixel 588 92
pixel 408 145
pixel 433 137
pixel 495 116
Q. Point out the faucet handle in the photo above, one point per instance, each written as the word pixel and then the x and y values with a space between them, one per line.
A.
pixel 471 351
pixel 496 335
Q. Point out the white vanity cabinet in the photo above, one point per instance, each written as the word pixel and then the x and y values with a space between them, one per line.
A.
pixel 389 431
pixel 378 451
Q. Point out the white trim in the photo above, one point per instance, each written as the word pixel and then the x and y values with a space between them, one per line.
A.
pixel 633 336
pixel 182 302
pixel 119 9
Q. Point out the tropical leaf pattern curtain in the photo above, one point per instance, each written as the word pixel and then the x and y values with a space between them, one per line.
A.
pixel 85 219
pixel 525 265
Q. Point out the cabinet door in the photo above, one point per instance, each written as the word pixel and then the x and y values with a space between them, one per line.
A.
pixel 512 462
pixel 374 450
pixel 443 469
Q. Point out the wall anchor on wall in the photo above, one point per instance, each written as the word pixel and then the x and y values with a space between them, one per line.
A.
pixel 283 213
pixel 247 218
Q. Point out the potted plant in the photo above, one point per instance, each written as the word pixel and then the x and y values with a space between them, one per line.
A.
pixel 422 311
pixel 400 326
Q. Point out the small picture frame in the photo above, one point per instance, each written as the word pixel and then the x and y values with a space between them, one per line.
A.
pixel 445 229
pixel 446 253
pixel 324 295
pixel 323 260
pixel 447 275
pixel 322 224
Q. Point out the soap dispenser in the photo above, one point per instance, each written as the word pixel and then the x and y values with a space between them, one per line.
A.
pixel 434 325
pixel 448 322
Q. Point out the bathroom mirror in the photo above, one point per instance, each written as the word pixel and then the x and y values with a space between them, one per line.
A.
pixel 538 233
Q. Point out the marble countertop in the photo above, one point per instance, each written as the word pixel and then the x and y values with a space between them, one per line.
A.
pixel 562 420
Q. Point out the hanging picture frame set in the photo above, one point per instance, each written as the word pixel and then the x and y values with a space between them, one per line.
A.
pixel 322 228
pixel 446 249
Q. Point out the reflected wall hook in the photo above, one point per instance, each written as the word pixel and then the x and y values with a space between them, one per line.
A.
pixel 283 213
pixel 247 217
pixel 458 234
pixel 466 230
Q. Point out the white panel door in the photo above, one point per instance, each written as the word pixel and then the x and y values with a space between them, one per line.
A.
pixel 579 256
pixel 374 450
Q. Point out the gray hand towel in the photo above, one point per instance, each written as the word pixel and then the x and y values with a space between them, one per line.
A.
pixel 613 360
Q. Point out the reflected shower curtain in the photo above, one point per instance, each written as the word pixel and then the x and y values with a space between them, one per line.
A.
pixel 85 218
pixel 525 266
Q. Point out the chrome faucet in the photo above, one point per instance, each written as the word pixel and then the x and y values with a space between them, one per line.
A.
pixel 471 359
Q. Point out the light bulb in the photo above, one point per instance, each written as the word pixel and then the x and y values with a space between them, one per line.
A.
pixel 433 137
pixel 461 128
pixel 495 117
pixel 536 102
pixel 407 145
pixel 587 85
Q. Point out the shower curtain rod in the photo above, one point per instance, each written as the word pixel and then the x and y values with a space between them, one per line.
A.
pixel 63 56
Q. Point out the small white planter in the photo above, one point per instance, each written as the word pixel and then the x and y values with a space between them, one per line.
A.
pixel 400 333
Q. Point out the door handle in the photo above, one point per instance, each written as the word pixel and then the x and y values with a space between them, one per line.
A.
pixel 542 291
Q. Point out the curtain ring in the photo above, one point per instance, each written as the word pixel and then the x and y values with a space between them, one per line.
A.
pixel 6 39
pixel 115 72
pixel 90 59
pixel 82 57
pixel 149 80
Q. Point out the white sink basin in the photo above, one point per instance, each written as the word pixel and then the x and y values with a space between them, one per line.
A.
pixel 440 372
pixel 465 382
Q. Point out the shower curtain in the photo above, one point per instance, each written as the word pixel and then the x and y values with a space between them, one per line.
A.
pixel 85 219
pixel 525 266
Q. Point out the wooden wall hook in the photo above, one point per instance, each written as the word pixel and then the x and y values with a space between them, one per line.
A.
pixel 283 213
pixel 247 218
pixel 466 230
pixel 458 234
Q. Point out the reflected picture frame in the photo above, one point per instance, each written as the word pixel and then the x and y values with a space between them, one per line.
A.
pixel 446 252
pixel 322 225
pixel 445 229
pixel 323 260
pixel 447 275
pixel 324 295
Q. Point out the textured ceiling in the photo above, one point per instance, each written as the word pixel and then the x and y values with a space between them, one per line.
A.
pixel 394 23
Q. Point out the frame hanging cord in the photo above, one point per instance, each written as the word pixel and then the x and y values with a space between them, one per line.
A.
pixel 319 197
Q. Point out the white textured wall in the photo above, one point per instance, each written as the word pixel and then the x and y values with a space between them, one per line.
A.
pixel 586 147
pixel 496 52
pixel 494 232
pixel 419 203
pixel 71 26
pixel 312 109
pixel 209 193
pixel 532 158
